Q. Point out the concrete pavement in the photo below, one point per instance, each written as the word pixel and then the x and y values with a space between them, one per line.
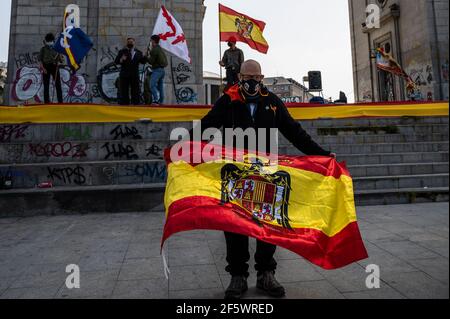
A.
pixel 118 256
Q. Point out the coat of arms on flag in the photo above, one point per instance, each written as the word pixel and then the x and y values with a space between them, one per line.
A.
pixel 243 28
pixel 262 195
pixel 304 204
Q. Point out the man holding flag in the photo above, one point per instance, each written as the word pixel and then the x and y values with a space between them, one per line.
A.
pixel 158 60
pixel 250 105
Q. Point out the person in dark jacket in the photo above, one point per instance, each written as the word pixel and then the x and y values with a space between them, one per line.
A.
pixel 250 105
pixel 232 61
pixel 158 60
pixel 49 63
pixel 129 58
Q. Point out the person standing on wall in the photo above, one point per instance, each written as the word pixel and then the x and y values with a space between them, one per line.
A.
pixel 49 64
pixel 158 60
pixel 129 58
pixel 232 61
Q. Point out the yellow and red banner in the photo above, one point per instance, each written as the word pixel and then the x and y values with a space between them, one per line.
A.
pixel 304 204
pixel 243 28
pixel 96 113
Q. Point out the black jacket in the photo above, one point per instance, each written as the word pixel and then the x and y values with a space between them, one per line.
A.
pixel 231 111
pixel 130 68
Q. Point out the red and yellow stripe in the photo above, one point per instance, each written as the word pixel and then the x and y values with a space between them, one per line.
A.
pixel 95 113
pixel 321 208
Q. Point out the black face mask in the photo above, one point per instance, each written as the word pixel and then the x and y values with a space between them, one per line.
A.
pixel 230 44
pixel 130 46
pixel 251 88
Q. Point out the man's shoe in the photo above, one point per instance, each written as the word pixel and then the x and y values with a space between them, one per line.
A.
pixel 268 283
pixel 237 288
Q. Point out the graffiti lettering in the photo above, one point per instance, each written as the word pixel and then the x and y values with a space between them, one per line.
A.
pixel 154 150
pixel 25 59
pixel 120 151
pixel 122 132
pixel 28 85
pixel 10 132
pixel 67 175
pixel 186 95
pixel 149 170
pixel 59 150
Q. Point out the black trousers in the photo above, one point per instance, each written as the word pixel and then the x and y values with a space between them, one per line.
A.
pixel 238 255
pixel 52 71
pixel 127 83
pixel 232 77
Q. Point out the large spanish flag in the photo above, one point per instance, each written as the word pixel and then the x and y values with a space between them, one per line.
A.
pixel 243 28
pixel 304 204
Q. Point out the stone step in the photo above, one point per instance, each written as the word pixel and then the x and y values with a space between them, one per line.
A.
pixel 150 198
pixel 393 158
pixel 401 181
pixel 82 200
pixel 59 152
pixel 398 169
pixel 377 130
pixel 86 173
pixel 377 148
pixel 376 121
pixel 129 131
pixel 374 139
pixel 64 152
pixel 401 196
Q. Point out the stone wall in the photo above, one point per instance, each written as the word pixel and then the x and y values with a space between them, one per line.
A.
pixel 108 23
pixel 414 44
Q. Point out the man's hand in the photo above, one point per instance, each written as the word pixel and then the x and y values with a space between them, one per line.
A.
pixel 123 58
pixel 221 63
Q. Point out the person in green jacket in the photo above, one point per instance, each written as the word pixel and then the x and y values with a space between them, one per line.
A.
pixel 49 61
pixel 158 60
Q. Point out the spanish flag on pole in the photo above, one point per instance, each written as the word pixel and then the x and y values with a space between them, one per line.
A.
pixel 242 28
pixel 304 204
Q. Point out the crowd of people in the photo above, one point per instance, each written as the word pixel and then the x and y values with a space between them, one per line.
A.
pixel 129 58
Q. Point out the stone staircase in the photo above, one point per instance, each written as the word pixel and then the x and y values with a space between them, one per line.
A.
pixel 119 168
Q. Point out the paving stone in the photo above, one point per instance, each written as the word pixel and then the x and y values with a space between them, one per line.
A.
pixel 212 293
pixel 31 293
pixel 312 290
pixel 194 277
pixel 382 293
pixel 407 250
pixel 93 285
pixel 140 269
pixel 417 285
pixel 190 256
pixel 438 268
pixel 142 289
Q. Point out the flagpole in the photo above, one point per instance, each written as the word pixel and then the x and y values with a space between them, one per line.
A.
pixel 220 47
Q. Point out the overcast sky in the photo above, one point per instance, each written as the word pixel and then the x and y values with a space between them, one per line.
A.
pixel 304 35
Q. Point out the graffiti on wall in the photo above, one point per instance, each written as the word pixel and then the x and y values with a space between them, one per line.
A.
pixel 9 133
pixel 58 150
pixel 26 59
pixel 28 86
pixel 108 85
pixel 67 175
pixel 182 74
